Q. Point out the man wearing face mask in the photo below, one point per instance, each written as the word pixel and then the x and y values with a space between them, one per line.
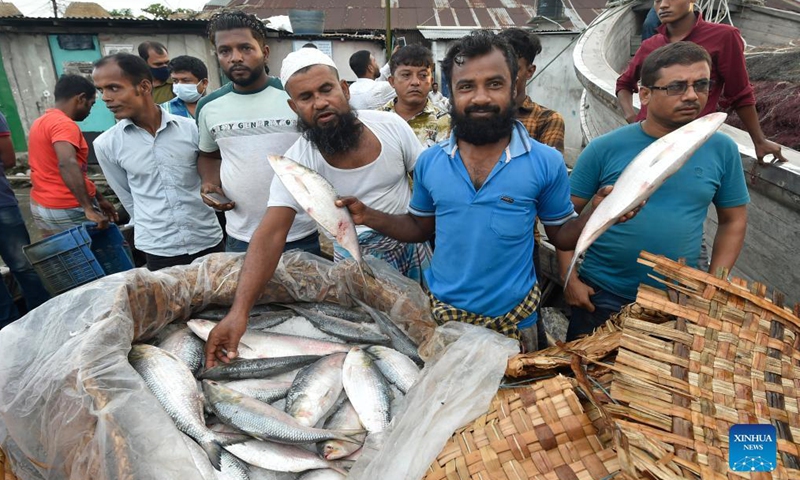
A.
pixel 189 84
pixel 157 58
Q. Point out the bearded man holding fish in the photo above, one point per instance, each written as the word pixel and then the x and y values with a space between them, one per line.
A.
pixel 480 191
pixel 676 80
pixel 368 154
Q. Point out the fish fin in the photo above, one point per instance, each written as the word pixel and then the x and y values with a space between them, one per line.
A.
pixel 231 438
pixel 342 466
pixel 350 435
pixel 214 450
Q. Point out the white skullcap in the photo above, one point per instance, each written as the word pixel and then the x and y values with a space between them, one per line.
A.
pixel 305 57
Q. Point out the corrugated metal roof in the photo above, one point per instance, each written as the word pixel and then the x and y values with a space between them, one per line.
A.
pixel 406 14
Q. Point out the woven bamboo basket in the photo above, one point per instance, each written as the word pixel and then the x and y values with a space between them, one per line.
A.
pixel 5 467
pixel 729 356
pixel 541 431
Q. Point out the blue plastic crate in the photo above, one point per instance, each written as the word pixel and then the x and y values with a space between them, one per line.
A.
pixel 110 249
pixel 78 256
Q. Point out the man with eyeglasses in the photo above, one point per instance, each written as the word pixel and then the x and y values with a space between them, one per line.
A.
pixel 675 87
pixel 731 87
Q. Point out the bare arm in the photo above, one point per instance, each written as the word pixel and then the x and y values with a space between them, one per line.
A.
pixel 406 228
pixel 263 254
pixel 71 173
pixel 208 165
pixel 7 155
pixel 730 237
pixel 577 293
pixel 764 147
pixel 625 99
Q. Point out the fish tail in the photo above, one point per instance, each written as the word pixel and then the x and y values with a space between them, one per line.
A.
pixel 214 451
pixel 364 268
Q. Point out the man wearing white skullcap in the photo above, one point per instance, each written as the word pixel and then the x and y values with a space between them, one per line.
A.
pixel 367 155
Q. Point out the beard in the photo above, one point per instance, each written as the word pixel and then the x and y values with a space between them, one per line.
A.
pixel 246 81
pixel 341 136
pixel 482 131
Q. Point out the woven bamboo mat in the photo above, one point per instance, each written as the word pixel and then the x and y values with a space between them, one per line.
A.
pixel 537 432
pixel 5 467
pixel 729 356
pixel 558 358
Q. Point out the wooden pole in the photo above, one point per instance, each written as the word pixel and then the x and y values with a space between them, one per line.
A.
pixel 388 6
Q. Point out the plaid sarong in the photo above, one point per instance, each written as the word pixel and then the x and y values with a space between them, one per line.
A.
pixel 505 324
pixel 410 259
pixel 55 220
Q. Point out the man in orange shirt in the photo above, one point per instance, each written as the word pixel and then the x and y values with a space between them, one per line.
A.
pixel 62 195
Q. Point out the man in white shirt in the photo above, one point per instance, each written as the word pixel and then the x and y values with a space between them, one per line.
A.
pixel 150 160
pixel 368 154
pixel 435 95
pixel 372 89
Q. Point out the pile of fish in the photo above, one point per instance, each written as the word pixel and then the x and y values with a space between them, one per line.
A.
pixel 311 382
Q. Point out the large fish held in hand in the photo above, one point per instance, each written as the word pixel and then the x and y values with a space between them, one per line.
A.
pixel 643 176
pixel 318 198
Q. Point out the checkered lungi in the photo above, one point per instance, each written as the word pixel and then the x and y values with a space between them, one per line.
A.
pixel 505 324
pixel 410 259
pixel 54 220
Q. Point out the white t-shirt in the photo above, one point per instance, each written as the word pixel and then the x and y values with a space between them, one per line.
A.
pixel 245 128
pixel 382 184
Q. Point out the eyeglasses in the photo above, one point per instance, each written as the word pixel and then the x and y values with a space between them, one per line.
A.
pixel 679 88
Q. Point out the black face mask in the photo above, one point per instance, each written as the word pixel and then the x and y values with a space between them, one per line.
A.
pixel 161 73
pixel 344 135
pixel 482 131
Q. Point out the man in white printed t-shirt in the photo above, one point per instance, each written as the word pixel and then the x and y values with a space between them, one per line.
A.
pixel 368 155
pixel 240 125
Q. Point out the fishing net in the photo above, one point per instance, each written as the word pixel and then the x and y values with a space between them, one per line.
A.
pixel 775 74
pixel 71 406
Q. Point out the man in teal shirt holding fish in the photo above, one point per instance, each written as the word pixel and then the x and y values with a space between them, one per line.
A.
pixel 675 86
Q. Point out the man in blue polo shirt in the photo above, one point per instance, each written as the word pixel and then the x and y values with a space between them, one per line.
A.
pixel 480 191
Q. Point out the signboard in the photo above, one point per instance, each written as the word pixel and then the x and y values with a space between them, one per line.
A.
pixel 112 48
pixel 324 46
pixel 78 68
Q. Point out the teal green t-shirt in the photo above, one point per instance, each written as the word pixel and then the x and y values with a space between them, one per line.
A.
pixel 671 222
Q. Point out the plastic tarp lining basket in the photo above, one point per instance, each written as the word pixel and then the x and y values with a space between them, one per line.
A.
pixel 72 407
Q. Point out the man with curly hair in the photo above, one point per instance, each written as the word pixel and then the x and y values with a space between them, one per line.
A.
pixel 240 124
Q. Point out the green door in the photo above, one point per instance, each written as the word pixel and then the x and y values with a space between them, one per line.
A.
pixel 8 107
pixel 76 54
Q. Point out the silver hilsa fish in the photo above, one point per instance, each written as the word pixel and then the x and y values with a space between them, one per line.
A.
pixel 643 176
pixel 318 198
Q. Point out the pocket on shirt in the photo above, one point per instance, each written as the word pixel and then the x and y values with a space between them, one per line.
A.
pixel 181 171
pixel 512 219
